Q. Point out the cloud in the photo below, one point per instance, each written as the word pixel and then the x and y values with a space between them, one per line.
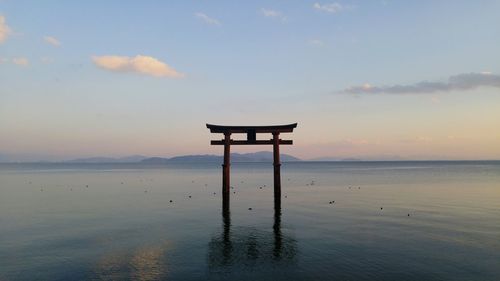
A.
pixel 46 60
pixel 273 14
pixel 52 41
pixel 418 139
pixel 329 7
pixel 138 64
pixel 4 30
pixel 316 42
pixel 460 82
pixel 207 19
pixel 21 61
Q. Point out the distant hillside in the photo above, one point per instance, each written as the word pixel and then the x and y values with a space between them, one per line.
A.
pixel 262 156
pixel 183 159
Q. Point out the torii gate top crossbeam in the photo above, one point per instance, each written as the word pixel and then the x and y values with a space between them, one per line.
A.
pixel 249 129
pixel 251 132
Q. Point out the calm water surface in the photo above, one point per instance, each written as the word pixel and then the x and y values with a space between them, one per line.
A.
pixel 116 222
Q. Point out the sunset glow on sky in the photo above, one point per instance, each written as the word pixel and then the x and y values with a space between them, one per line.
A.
pixel 363 79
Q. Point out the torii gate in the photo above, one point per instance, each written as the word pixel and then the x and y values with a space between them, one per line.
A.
pixel 251 132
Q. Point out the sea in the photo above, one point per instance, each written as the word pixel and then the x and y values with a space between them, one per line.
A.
pixel 403 220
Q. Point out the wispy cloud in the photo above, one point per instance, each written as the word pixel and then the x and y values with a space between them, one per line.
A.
pixel 46 60
pixel 21 61
pixel 273 14
pixel 329 7
pixel 52 41
pixel 207 19
pixel 418 139
pixel 4 30
pixel 316 43
pixel 138 64
pixel 460 82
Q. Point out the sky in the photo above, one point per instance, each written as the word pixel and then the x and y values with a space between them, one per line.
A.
pixel 363 79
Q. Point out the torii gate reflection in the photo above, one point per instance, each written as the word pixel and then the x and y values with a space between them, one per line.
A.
pixel 251 132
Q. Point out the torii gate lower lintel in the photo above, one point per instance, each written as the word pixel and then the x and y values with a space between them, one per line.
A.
pixel 251 132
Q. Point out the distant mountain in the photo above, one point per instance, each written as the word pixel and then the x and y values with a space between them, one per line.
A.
pixel 128 159
pixel 262 156
pixel 183 159
pixel 195 158
pixel 154 160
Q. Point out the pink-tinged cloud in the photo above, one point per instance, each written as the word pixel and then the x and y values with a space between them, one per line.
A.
pixel 4 30
pixel 138 64
pixel 21 61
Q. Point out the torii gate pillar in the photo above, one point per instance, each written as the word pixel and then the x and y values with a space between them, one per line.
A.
pixel 277 168
pixel 251 132
pixel 226 182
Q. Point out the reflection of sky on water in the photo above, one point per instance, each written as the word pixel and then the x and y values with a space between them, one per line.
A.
pixel 113 230
pixel 147 263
